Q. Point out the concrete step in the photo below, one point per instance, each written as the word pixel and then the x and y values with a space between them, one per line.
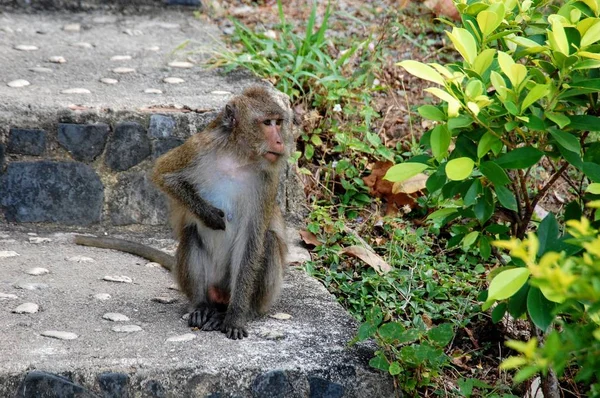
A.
pixel 299 350
pixel 87 5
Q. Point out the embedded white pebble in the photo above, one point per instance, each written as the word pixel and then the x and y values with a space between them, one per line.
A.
pixel 31 234
pixel 57 334
pixel 185 316
pixel 36 239
pixel 8 296
pixel 118 278
pixel 25 47
pixel 37 271
pixel 8 253
pixel 30 286
pixel 123 70
pixel 76 90
pixel 18 83
pixel 153 48
pixel 173 80
pixel 120 58
pixel 181 64
pixel 270 334
pixel 133 32
pixel 126 328
pixel 81 259
pixel 57 59
pixel 102 296
pixel 164 300
pixel 153 265
pixel 152 91
pixel 72 27
pixel 218 92
pixel 39 69
pixel 108 80
pixel 7 29
pixel 115 317
pixel 26 308
pixel 173 287
pixel 182 337
pixel 281 316
pixel 4 236
pixel 82 44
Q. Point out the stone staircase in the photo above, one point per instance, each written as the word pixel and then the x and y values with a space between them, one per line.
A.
pixel 92 92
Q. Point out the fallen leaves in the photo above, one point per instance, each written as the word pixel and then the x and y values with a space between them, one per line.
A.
pixel 369 257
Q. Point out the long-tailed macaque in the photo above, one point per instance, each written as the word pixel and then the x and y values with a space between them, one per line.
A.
pixel 222 185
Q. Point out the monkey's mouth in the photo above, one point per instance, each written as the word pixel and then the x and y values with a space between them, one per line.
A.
pixel 273 156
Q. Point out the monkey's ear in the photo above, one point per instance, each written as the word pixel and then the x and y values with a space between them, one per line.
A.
pixel 230 117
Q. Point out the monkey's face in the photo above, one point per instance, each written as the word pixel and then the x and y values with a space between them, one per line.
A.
pixel 273 147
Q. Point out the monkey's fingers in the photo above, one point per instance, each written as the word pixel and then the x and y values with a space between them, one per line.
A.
pixel 214 323
pixel 234 333
pixel 200 316
pixel 215 219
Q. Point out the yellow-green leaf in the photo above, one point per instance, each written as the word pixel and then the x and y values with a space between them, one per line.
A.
pixel 537 92
pixel 422 71
pixel 469 239
pixel 588 54
pixel 474 88
pixel 558 38
pixel 483 61
pixel 591 36
pixel 593 4
pixel 505 62
pixel 459 169
pixel 453 103
pixel 499 84
pixel 507 283
pixel 593 188
pixel 488 22
pixel 465 44
pixel 404 171
pixel 518 73
pixel 513 363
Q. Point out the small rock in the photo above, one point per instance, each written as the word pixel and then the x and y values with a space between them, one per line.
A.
pixel 8 253
pixel 173 287
pixel 152 91
pixel 181 64
pixel 133 32
pixel 31 234
pixel 72 27
pixel 37 271
pixel 39 69
pixel 185 316
pixel 36 240
pixel 57 334
pixel 153 48
pixel 30 286
pixel 57 59
pixel 173 80
pixel 7 29
pixel 126 328
pixel 82 44
pixel 26 308
pixel 76 90
pixel 153 265
pixel 182 337
pixel 271 34
pixel 120 58
pixel 105 19
pixel 18 83
pixel 123 70
pixel 102 296
pixel 115 317
pixel 218 92
pixel 164 300
pixel 118 278
pixel 108 80
pixel 168 25
pixel 271 334
pixel 25 47
pixel 281 316
pixel 8 296
pixel 8 241
pixel 81 259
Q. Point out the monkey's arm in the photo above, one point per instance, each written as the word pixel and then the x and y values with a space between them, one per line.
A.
pixel 147 252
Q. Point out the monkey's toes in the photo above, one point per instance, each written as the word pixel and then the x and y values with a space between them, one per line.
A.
pixel 199 317
pixel 234 333
pixel 214 323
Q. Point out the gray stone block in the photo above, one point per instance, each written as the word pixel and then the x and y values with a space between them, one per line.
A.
pixel 42 384
pixel 164 145
pixel 161 126
pixel 113 385
pixel 135 200
pixel 1 157
pixel 183 2
pixel 27 141
pixel 128 146
pixel 274 384
pixel 322 388
pixel 84 141
pixel 62 192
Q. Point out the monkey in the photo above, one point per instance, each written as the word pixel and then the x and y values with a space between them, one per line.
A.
pixel 222 187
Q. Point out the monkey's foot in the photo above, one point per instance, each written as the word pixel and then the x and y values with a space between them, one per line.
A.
pixel 201 315
pixel 214 322
pixel 233 332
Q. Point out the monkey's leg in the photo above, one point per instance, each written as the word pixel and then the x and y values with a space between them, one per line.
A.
pixel 268 283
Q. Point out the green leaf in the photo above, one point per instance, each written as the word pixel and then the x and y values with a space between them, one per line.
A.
pixel 403 171
pixel 440 141
pixel 485 249
pixel 540 309
pixel 484 208
pixel 366 330
pixel 488 22
pixel 422 71
pixel 432 113
pixel 536 93
pixel 436 180
pixel 459 169
pixel 517 304
pixel 520 158
pixel 591 36
pixel 442 213
pixel 395 368
pixel 442 334
pixel 591 171
pixel 498 312
pixel 485 144
pixel 506 198
pixel 469 239
pixel 380 362
pixel 309 151
pixel 483 61
pixel 585 123
pixel 494 173
pixel 507 283
pixel 391 331
pixel 593 189
pixel 566 140
pixel 548 234
pixel 559 118
pixel 473 193
pixel 558 38
pixel 464 43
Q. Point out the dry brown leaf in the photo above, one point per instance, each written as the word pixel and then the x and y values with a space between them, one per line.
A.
pixel 427 321
pixel 384 189
pixel 443 8
pixel 369 257
pixel 412 185
pixel 309 238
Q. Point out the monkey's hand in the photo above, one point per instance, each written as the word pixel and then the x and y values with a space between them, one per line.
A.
pixel 212 217
pixel 233 330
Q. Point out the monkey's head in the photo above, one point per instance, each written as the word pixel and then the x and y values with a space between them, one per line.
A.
pixel 257 123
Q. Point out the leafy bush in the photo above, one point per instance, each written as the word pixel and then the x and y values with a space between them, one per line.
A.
pixel 525 95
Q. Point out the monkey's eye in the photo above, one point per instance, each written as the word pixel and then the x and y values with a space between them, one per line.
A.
pixel 278 122
pixel 267 122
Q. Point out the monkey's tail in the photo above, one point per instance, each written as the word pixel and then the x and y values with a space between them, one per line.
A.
pixel 147 252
